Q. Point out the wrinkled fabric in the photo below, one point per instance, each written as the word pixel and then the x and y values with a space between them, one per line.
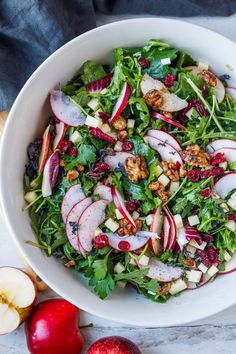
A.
pixel 30 30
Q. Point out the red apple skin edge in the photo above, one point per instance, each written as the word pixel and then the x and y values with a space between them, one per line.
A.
pixel 52 328
pixel 113 345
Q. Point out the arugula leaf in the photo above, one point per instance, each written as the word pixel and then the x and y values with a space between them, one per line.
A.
pixel 92 72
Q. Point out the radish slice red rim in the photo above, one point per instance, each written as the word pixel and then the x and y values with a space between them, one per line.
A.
pixel 167 120
pixel 73 195
pixel 120 205
pixel 121 102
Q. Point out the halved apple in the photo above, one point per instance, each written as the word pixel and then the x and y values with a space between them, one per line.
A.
pixel 45 149
pixel 225 184
pixel 117 159
pixel 167 152
pixel 219 144
pixel 73 196
pixel 120 205
pixel 17 297
pixel 165 137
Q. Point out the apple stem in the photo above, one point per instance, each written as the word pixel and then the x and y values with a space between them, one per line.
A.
pixel 86 326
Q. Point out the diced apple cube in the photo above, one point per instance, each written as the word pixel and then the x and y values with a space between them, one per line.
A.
pixel 149 219
pixel 119 268
pixel 132 261
pixel 113 134
pixel 163 179
pixel 178 221
pixel 193 220
pixel 151 292
pixel 98 231
pixel 174 186
pixel 231 225
pixel 111 225
pixel 119 216
pixel 104 91
pixel 232 203
pixel 212 270
pixel 223 165
pixel 94 122
pixel 165 61
pixel 177 286
pixel 158 171
pixel 233 196
pixel 225 207
pixel 196 245
pixel 190 112
pixel 194 275
pixel 106 128
pixel 191 249
pixel 93 104
pixel 203 66
pixel 227 256
pixel 202 268
pixel 75 137
pixel 214 195
pixel 121 283
pixel 135 215
pixel 130 123
pixel 144 260
pixel 30 197
pixel 118 146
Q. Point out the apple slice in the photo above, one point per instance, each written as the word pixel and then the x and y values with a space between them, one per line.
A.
pixel 165 137
pixel 50 174
pixel 120 205
pixel 167 152
pixel 161 271
pixel 166 233
pixel 73 196
pixel 171 102
pixel 131 242
pixel 45 148
pixel 167 120
pixel 121 102
pixel 156 226
pixel 60 133
pixel 103 191
pixel 219 144
pixel 230 266
pixel 72 223
pixel 117 159
pixel 230 153
pixel 225 184
pixel 90 219
pixel 65 110
pixel 173 230
pixel 232 92
pixel 17 297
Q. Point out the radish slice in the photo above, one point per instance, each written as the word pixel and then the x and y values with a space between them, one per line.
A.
pixel 60 133
pixel 121 102
pixel 91 218
pixel 167 120
pixel 171 102
pixel 65 110
pixel 129 243
pixel 162 272
pixel 219 144
pixel 73 195
pixel 45 148
pixel 156 226
pixel 103 191
pixel 120 205
pixel 72 223
pixel 230 266
pixel 232 92
pixel 165 137
pixel 167 152
pixel 117 159
pixel 166 233
pixel 50 174
pixel 225 184
pixel 98 85
pixel 230 154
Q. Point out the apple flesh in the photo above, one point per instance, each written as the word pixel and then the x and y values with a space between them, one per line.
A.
pixel 117 159
pixel 73 196
pixel 50 174
pixel 60 133
pixel 219 144
pixel 121 102
pixel 173 230
pixel 113 345
pixel 230 266
pixel 45 148
pixel 165 137
pixel 161 271
pixel 53 328
pixel 225 184
pixel 157 115
pixel 132 242
pixel 120 205
pixel 103 191
pixel 156 226
pixel 17 297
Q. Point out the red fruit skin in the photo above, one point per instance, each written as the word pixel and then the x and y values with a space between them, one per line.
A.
pixel 52 328
pixel 113 345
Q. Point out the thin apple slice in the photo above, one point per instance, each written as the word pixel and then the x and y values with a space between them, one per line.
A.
pixel 225 184
pixel 156 226
pixel 171 102
pixel 45 149
pixel 50 174
pixel 131 242
pixel 90 219
pixel 65 110
pixel 167 120
pixel 117 159
pixel 121 102
pixel 166 233
pixel 230 266
pixel 229 153
pixel 103 191
pixel 165 137
pixel 173 230
pixel 161 271
pixel 120 205
pixel 219 144
pixel 73 196
pixel 60 133
pixel 72 223
pixel 17 297
pixel 167 152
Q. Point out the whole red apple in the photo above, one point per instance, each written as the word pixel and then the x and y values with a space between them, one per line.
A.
pixel 113 345
pixel 52 328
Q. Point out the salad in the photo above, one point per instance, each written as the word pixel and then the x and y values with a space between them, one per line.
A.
pixel 133 181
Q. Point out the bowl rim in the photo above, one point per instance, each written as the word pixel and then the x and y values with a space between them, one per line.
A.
pixel 3 195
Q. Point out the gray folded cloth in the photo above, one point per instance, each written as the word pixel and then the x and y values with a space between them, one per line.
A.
pixel 30 30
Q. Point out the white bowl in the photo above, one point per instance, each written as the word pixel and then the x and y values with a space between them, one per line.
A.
pixel 27 119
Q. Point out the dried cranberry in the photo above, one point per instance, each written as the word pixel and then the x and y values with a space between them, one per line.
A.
pixel 169 80
pixel 206 193
pixel 217 171
pixel 193 175
pixel 72 152
pixel 101 167
pixel 178 165
pixel 207 238
pixel 144 63
pixel 196 210
pixel 56 120
pixel 206 174
pixel 192 103
pixel 100 241
pixel 218 158
pixel 124 246
pixel 98 133
pixel 127 145
pixel 104 116
pixel 204 91
pixel 203 256
pixel 200 108
pixel 65 145
pixel 213 254
pixel 131 205
pixel 232 216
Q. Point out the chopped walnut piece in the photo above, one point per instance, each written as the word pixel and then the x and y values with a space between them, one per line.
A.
pixel 62 163
pixel 120 123
pixel 127 229
pixel 122 135
pixel 70 264
pixel 158 188
pixel 164 289
pixel 209 78
pixel 190 263
pixel 153 99
pixel 171 171
pixel 71 175
pixel 182 170
pixel 194 156
pixel 80 167
pixel 167 114
pixel 136 168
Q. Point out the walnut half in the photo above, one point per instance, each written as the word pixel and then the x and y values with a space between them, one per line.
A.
pixel 154 99
pixel 136 169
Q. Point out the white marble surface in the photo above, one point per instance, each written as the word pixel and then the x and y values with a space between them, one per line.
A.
pixel 215 335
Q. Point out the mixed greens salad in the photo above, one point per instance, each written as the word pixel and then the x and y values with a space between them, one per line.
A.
pixel 133 182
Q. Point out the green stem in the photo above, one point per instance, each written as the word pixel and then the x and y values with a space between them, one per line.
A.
pixel 173 195
pixel 32 203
